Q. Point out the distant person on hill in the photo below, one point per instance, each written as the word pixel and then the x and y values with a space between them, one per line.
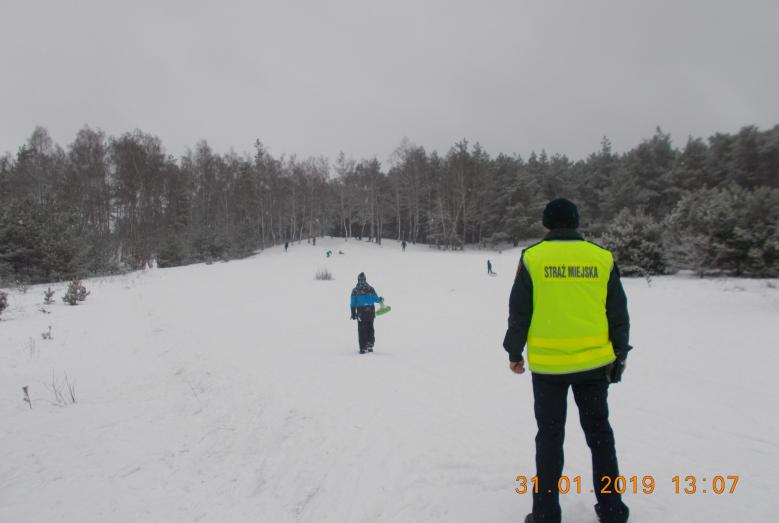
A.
pixel 568 305
pixel 403 245
pixel 489 267
pixel 363 298
pixel 286 246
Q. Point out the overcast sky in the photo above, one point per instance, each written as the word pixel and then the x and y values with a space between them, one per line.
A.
pixel 317 77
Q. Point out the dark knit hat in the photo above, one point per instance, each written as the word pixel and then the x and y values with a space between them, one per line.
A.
pixel 361 277
pixel 561 214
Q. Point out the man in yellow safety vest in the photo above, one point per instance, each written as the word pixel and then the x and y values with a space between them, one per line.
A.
pixel 568 305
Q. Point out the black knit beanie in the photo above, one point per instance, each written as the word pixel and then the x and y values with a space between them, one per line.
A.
pixel 561 214
pixel 361 277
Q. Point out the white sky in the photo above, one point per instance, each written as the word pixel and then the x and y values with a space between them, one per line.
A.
pixel 317 77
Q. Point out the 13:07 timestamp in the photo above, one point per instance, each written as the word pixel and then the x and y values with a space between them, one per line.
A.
pixel 694 484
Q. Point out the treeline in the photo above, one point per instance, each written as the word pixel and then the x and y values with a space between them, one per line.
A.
pixel 106 204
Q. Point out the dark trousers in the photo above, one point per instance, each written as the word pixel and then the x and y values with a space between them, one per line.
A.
pixel 365 333
pixel 590 391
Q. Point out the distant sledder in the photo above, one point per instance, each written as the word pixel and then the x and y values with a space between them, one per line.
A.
pixel 490 272
pixel 362 306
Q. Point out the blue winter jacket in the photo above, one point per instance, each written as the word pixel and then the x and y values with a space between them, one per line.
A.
pixel 362 300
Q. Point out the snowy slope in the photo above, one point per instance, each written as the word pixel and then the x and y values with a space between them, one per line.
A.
pixel 233 392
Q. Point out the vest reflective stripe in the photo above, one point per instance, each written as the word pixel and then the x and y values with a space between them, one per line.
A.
pixel 569 331
pixel 568 343
pixel 603 353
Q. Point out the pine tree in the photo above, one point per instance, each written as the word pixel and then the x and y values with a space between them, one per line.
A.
pixel 636 241
pixel 172 253
pixel 76 292
pixel 3 302
pixel 729 230
pixel 82 292
pixel 48 296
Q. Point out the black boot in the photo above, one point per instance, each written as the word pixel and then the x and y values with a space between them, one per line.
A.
pixel 529 518
pixel 615 516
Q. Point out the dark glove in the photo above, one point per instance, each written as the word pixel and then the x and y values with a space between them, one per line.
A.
pixel 381 299
pixel 354 315
pixel 615 369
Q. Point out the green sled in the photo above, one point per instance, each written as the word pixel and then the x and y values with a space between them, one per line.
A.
pixel 383 309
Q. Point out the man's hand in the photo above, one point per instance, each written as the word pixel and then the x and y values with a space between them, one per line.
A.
pixel 354 315
pixel 614 370
pixel 517 367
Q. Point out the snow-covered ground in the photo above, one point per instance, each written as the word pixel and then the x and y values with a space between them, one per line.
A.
pixel 234 392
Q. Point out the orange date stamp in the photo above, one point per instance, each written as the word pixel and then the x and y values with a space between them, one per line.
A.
pixel 684 485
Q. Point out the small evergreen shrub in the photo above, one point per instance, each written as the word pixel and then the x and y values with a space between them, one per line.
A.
pixel 3 302
pixel 48 296
pixel 76 292
pixel 71 295
pixel 82 293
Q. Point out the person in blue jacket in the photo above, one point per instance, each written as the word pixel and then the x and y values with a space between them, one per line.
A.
pixel 363 298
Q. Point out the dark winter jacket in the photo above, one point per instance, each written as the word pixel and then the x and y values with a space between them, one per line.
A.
pixel 521 306
pixel 363 298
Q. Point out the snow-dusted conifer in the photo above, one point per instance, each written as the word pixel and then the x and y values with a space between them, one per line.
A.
pixel 728 229
pixel 76 292
pixel 82 292
pixel 636 241
pixel 3 301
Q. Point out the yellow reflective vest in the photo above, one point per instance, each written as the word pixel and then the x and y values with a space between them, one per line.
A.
pixel 569 330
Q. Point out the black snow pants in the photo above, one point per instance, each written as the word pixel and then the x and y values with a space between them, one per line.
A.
pixel 365 332
pixel 590 391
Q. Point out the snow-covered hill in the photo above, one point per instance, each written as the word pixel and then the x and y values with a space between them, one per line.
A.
pixel 234 392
